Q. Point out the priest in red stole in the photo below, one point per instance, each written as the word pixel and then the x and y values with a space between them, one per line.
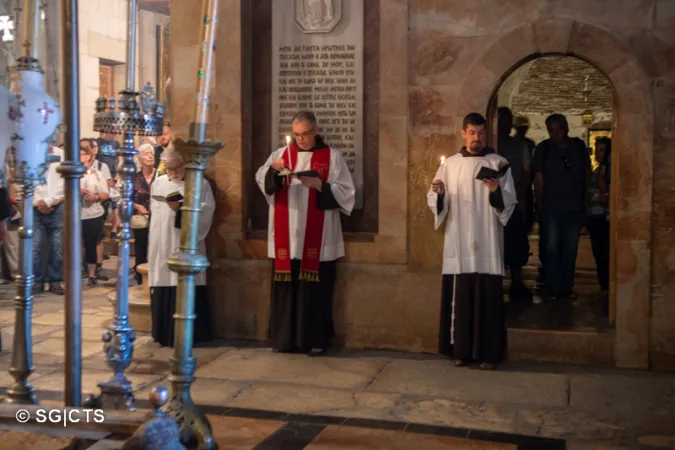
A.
pixel 307 185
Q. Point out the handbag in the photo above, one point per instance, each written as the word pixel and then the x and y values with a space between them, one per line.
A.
pixel 139 221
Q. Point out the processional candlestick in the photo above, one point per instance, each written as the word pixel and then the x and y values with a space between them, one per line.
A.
pixel 33 119
pixel 125 117
pixel 187 262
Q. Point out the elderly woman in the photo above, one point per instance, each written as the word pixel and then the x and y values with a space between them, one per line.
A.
pixel 94 191
pixel 166 194
pixel 140 221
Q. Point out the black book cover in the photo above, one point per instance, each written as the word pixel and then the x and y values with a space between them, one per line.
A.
pixel 486 173
pixel 308 173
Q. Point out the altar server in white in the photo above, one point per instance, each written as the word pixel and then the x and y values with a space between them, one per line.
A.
pixel 164 239
pixel 304 235
pixel 472 328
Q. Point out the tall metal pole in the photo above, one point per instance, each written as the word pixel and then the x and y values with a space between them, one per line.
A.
pixel 117 393
pixel 188 262
pixel 72 170
pixel 21 392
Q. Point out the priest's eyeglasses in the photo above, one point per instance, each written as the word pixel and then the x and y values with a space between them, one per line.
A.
pixel 304 135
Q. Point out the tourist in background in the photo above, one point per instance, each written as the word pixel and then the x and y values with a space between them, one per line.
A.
pixel 103 168
pixel 164 141
pixel 140 221
pixel 166 199
pixel 598 213
pixel 48 203
pixel 516 241
pixel 106 153
pixel 94 189
pixel 562 171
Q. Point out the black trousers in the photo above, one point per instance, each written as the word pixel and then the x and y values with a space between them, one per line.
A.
pixel 141 248
pixel 598 229
pixel 91 231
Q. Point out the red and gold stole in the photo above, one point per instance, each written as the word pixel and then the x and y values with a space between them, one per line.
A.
pixel 309 266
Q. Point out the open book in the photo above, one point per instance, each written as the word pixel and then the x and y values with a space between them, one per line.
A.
pixel 172 197
pixel 486 173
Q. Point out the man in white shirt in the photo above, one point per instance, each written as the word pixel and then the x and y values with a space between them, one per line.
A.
pixel 48 204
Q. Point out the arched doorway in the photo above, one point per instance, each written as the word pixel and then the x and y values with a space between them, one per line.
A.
pixel 532 91
pixel 633 132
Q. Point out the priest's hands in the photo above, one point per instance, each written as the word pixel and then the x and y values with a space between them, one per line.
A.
pixel 438 187
pixel 311 182
pixel 175 206
pixel 278 165
pixel 492 184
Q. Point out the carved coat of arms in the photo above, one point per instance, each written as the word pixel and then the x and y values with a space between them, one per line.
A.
pixel 318 16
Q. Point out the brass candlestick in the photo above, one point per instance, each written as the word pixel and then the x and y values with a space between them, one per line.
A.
pixel 187 262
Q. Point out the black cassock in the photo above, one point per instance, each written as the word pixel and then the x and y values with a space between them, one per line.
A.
pixel 301 312
pixel 480 333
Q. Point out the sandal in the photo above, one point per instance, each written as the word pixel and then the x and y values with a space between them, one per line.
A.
pixel 458 362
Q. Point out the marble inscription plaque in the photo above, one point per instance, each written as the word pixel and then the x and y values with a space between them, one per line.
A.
pixel 317 65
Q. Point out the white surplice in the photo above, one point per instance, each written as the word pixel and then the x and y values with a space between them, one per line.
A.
pixel 474 234
pixel 164 238
pixel 342 187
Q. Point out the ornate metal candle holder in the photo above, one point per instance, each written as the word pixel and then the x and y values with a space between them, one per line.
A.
pixel 187 262
pixel 130 117
pixel 35 117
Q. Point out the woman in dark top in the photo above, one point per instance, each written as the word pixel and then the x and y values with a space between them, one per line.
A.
pixel 141 223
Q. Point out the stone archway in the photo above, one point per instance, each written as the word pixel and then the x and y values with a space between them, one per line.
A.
pixel 632 151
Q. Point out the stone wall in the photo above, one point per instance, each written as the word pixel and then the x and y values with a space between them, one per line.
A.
pixel 440 60
pixel 103 35
pixel 556 84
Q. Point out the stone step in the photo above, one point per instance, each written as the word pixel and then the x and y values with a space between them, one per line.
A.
pixel 593 348
pixel 140 313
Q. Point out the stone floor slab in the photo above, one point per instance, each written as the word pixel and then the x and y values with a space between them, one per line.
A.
pixel 441 380
pixel 254 365
pixel 294 398
pixel 90 380
pixel 234 433
pixel 350 438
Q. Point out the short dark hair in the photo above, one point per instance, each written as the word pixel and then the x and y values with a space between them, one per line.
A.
pixel 305 116
pixel 504 110
pixel 559 119
pixel 474 119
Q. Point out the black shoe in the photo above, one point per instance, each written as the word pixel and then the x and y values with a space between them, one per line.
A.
pixel 92 282
pixel 56 288
pixel 38 289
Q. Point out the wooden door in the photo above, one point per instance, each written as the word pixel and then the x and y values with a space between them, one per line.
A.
pixel 106 81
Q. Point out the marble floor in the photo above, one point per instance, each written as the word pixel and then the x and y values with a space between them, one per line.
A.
pixel 364 399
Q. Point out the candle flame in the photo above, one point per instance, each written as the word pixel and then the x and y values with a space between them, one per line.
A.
pixel 442 160
pixel 288 140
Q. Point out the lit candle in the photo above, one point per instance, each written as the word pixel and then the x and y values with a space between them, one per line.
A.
pixel 442 160
pixel 288 151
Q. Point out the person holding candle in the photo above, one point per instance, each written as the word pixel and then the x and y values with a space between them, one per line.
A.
pixel 476 209
pixel 307 185
pixel 94 190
